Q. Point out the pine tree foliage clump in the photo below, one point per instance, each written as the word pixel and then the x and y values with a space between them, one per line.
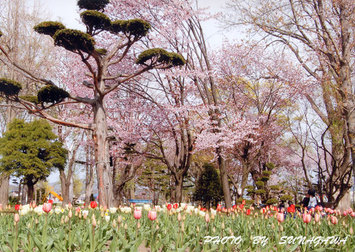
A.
pixel 208 187
pixel 161 56
pixel 92 4
pixel 49 27
pixel 95 20
pixel 51 94
pixel 74 40
pixel 9 87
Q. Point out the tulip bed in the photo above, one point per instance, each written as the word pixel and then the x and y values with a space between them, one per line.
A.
pixel 183 228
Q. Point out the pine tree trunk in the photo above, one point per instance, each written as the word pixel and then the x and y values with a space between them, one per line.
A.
pixel 104 183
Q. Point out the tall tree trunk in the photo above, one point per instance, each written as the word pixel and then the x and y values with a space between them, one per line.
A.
pixel 64 184
pixel 30 191
pixel 89 177
pixel 179 181
pixel 66 179
pixel 224 179
pixel 4 179
pixel 4 189
pixel 104 183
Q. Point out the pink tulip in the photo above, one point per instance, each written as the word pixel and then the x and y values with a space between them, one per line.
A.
pixel 307 218
pixel 137 214
pixel 334 220
pixel 207 218
pixel 47 207
pixel 16 217
pixel 152 215
pixel 280 217
pixel 352 214
pixel 317 217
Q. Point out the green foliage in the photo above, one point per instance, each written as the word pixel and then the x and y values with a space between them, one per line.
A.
pixel 95 20
pixel 208 187
pixel 250 192
pixel 271 201
pixel 74 40
pixel 265 178
pixel 249 187
pixel 101 51
pixel 260 191
pixel 135 27
pixel 260 184
pixel 30 150
pixel 30 98
pixel 266 173
pixel 286 197
pixel 9 87
pixel 275 187
pixel 158 55
pixel 51 94
pixel 49 27
pixel 270 165
pixel 92 4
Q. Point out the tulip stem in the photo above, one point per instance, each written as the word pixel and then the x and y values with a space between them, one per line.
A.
pixel 16 238
pixel 44 235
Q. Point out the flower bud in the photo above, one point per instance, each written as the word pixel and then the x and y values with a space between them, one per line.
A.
pixel 93 221
pixel 16 217
pixel 207 218
pixel 70 214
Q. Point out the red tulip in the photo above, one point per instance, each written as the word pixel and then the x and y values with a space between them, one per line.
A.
pixel 280 217
pixel 47 207
pixel 17 207
pixel 241 206
pixel 243 202
pixel 307 218
pixel 219 207
pixel 137 214
pixel 93 204
pixel 248 211
pixel 176 205
pixel 352 214
pixel 152 215
pixel 234 206
pixel 291 209
pixel 50 201
pixel 169 206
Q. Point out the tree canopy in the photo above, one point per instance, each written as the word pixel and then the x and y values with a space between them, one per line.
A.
pixel 208 187
pixel 30 150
